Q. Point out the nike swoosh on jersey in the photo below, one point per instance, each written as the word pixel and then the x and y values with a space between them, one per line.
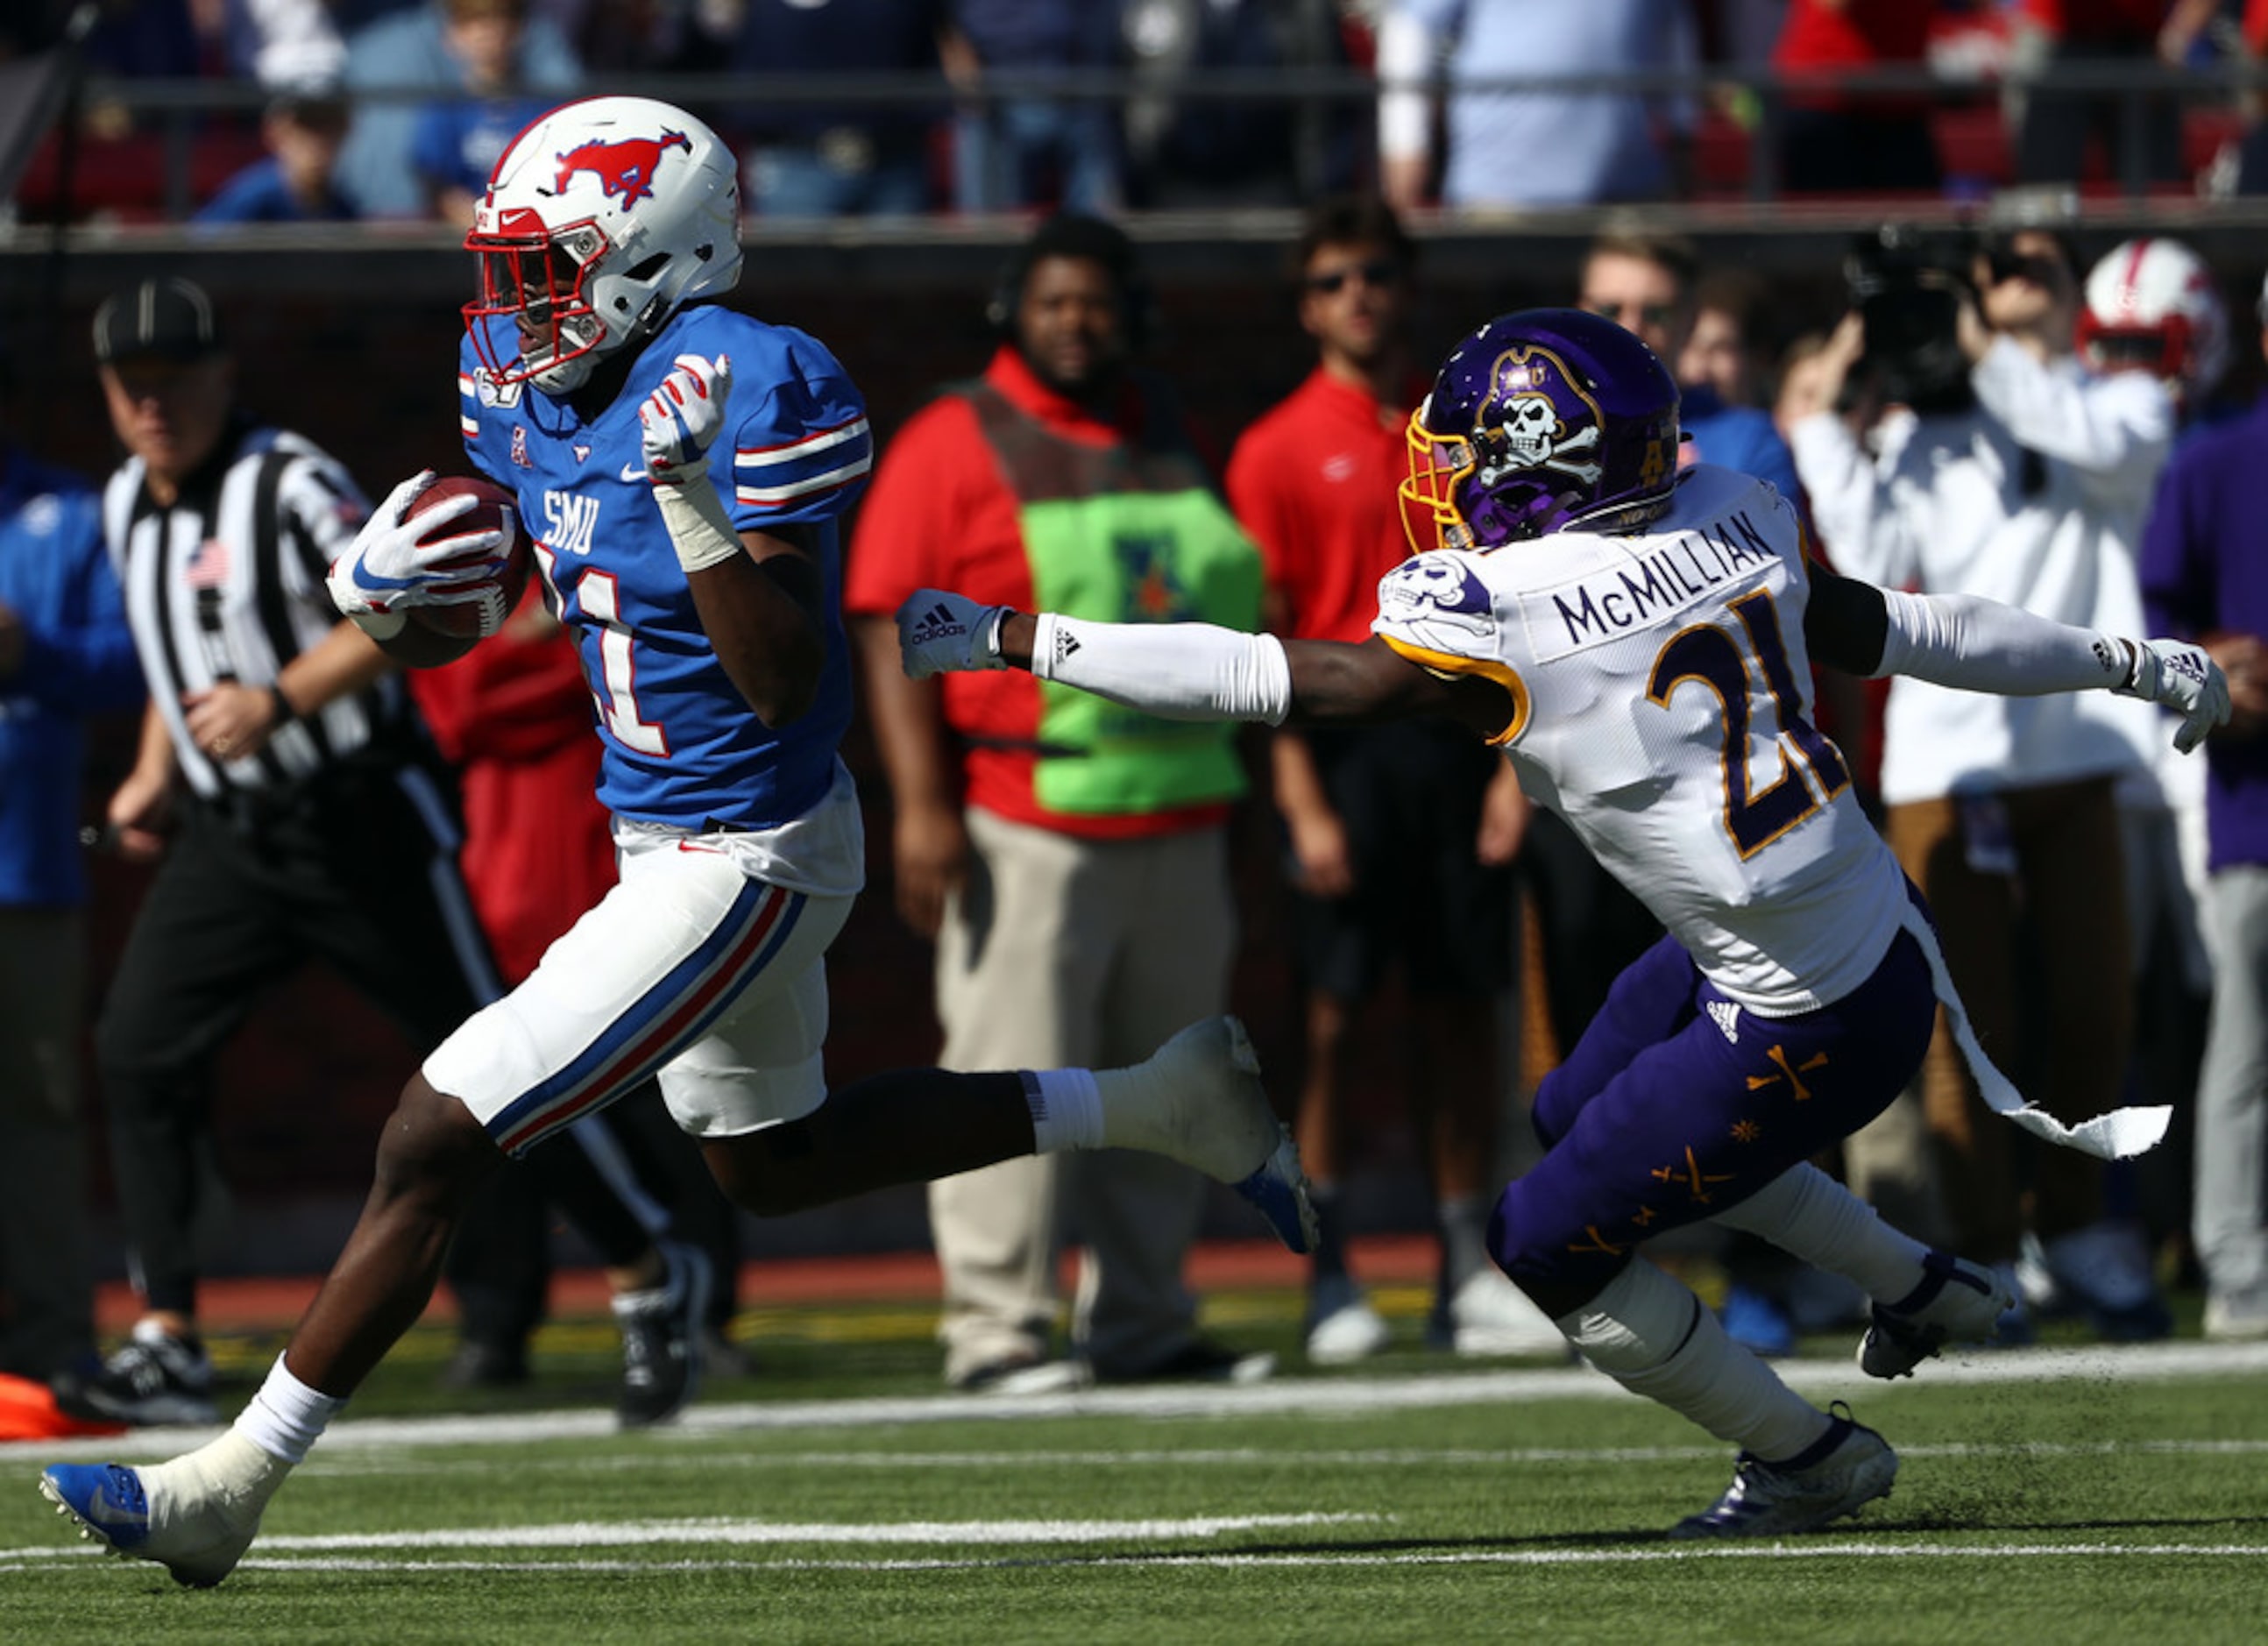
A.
pixel 632 472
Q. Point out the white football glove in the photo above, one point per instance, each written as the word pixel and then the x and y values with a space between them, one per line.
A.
pixel 2185 680
pixel 943 634
pixel 681 419
pixel 395 563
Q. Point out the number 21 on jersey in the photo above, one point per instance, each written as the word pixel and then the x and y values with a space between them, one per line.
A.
pixel 1811 769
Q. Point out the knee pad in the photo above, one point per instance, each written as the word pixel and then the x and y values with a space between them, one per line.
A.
pixel 1636 1324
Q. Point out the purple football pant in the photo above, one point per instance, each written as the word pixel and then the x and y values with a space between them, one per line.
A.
pixel 1663 1115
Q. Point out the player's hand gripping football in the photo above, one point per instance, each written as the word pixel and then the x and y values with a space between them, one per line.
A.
pixel 2184 679
pixel 396 561
pixel 681 419
pixel 941 633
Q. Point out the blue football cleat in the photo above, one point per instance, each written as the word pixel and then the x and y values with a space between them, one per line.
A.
pixel 199 1543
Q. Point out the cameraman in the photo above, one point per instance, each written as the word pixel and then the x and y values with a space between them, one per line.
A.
pixel 1976 456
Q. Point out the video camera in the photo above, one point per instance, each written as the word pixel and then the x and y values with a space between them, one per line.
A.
pixel 1907 284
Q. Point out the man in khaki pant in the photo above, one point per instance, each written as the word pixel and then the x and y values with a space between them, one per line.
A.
pixel 1068 856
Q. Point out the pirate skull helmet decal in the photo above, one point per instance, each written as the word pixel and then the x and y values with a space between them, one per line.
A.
pixel 1536 420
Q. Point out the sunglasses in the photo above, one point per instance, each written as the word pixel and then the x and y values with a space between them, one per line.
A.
pixel 1376 271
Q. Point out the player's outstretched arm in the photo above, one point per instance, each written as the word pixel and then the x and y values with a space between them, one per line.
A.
pixel 1977 645
pixel 1186 671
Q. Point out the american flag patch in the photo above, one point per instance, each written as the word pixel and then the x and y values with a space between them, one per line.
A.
pixel 208 567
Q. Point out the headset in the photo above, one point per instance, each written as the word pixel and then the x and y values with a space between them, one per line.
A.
pixel 1075 234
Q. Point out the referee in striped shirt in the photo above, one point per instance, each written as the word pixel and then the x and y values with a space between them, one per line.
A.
pixel 283 782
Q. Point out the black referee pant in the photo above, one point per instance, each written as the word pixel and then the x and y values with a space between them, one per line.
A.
pixel 356 867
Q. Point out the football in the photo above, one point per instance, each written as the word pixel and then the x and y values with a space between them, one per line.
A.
pixel 434 635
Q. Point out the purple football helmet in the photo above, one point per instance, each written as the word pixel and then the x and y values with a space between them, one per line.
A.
pixel 1537 420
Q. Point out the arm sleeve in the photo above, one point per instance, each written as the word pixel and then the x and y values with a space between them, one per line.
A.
pixel 1977 645
pixel 1178 671
pixel 2099 425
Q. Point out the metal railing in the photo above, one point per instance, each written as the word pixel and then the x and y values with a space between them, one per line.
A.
pixel 1314 100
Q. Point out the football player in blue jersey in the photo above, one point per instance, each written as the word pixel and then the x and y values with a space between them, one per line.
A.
pixel 683 468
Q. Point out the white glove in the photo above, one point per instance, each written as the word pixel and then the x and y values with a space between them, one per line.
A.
pixel 394 562
pixel 680 420
pixel 2185 680
pixel 944 633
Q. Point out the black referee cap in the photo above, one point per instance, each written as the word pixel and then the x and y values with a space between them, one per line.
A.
pixel 168 317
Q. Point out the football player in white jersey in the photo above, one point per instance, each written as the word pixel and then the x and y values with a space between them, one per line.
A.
pixel 597 375
pixel 1638 641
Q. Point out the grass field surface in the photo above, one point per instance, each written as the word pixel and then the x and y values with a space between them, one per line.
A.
pixel 2060 1495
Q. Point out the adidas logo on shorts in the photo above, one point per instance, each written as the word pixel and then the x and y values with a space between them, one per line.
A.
pixel 1728 1018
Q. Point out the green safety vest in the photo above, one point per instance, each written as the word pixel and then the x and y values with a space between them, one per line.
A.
pixel 1131 533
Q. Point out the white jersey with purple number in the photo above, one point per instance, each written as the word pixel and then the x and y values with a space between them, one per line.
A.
pixel 1663 694
pixel 682 747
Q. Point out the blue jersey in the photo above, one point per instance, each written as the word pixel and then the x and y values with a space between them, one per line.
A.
pixel 683 746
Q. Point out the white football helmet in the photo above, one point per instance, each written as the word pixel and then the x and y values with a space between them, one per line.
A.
pixel 600 220
pixel 2152 306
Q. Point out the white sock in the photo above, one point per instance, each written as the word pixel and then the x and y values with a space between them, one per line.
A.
pixel 1808 1213
pixel 286 1417
pixel 1066 1109
pixel 1655 1338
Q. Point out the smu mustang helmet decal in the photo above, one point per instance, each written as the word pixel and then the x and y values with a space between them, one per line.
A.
pixel 625 167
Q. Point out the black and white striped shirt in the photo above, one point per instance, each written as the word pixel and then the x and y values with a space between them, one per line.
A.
pixel 227 585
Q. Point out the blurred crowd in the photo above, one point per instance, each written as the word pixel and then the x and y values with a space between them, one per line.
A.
pixel 396 108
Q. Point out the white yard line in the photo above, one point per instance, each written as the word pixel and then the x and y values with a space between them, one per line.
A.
pixel 1793 1549
pixel 1291 1396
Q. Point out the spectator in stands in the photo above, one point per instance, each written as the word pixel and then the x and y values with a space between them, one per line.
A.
pixel 304 130
pixel 1998 466
pixel 1024 151
pixel 1727 353
pixel 282 42
pixel 1399 837
pixel 862 157
pixel 1072 867
pixel 2204 575
pixel 2140 136
pixel 1531 148
pixel 406 53
pixel 65 654
pixel 1648 284
pixel 1188 152
pixel 1838 141
pixel 457 141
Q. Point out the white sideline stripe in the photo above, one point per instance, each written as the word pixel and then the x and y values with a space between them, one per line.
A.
pixel 601 1535
pixel 1295 1396
pixel 31 1559
pixel 376 1463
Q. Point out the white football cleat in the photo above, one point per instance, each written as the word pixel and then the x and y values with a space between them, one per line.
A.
pixel 1341 1326
pixel 1957 1301
pixel 195 1516
pixel 1198 1099
pixel 1490 1316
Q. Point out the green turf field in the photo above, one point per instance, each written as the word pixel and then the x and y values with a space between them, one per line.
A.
pixel 2056 1495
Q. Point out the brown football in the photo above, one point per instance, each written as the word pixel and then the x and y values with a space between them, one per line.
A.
pixel 442 634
